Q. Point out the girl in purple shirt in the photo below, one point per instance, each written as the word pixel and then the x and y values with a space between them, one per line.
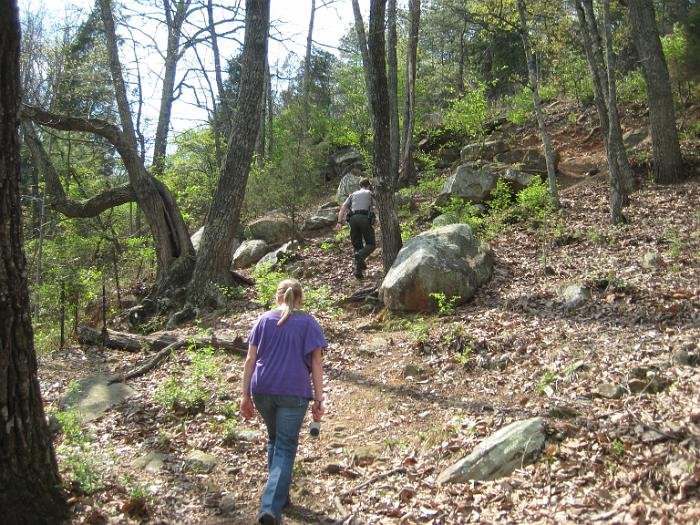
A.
pixel 284 362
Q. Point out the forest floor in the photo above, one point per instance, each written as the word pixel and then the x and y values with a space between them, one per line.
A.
pixel 407 396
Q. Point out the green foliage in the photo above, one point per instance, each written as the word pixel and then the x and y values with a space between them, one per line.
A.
pixel 672 236
pixel 548 377
pixel 501 197
pixel 520 105
pixel 419 329
pixel 266 281
pixel 617 447
pixel 84 470
pixel 188 391
pixel 632 88
pixel 464 357
pixel 535 200
pixel 71 425
pixel 445 305
pixel 458 211
pixel 466 114
pixel 321 299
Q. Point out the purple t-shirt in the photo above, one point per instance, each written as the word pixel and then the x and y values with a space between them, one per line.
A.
pixel 283 363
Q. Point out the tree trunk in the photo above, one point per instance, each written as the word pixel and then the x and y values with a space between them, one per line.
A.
pixel 174 20
pixel 393 85
pixel 379 102
pixel 174 251
pixel 362 41
pixel 29 483
pixel 307 62
pixel 214 260
pixel 668 162
pixel 408 168
pixel 615 144
pixel 620 175
pixel 537 103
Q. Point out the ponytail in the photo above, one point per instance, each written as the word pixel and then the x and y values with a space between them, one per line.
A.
pixel 288 295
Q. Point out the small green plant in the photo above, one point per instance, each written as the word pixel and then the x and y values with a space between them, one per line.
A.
pixel 548 377
pixel 229 430
pixel 445 306
pixel 321 299
pixel 71 424
pixel 231 293
pixel 617 447
pixel 136 490
pixel 189 394
pixel 672 236
pixel 419 329
pixel 266 281
pixel 464 357
pixel 395 443
pixel 327 245
pixel 84 470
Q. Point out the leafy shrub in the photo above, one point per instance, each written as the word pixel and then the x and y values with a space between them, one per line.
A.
pixel 535 200
pixel 188 392
pixel 632 88
pixel 466 114
pixel 320 299
pixel 266 281
pixel 520 105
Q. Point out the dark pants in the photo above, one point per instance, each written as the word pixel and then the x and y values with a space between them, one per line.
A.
pixel 361 236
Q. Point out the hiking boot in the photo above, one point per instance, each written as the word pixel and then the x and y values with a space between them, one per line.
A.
pixel 358 274
pixel 360 263
pixel 267 519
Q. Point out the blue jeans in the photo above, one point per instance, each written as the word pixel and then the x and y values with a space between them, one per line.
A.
pixel 283 416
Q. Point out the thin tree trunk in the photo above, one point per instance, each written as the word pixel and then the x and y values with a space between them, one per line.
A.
pixel 223 108
pixel 29 483
pixel 408 168
pixel 379 102
pixel 362 41
pixel 668 162
pixel 618 164
pixel 549 153
pixel 214 260
pixel 614 143
pixel 393 85
pixel 174 20
pixel 307 62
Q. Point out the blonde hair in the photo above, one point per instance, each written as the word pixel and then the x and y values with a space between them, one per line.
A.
pixel 289 293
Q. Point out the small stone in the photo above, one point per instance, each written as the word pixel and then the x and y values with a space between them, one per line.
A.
pixel 651 260
pixel 682 358
pixel 332 468
pixel 200 461
pixel 227 504
pixel 152 462
pixel 610 390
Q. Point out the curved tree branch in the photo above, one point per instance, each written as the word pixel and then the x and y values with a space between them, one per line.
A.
pixel 57 196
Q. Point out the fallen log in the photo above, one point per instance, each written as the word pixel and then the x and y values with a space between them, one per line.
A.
pixel 159 340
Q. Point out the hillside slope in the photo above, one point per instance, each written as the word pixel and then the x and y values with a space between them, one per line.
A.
pixel 409 395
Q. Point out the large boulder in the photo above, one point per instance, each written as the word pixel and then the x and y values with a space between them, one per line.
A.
pixel 483 150
pixel 323 218
pixel 272 229
pixel 448 260
pixel 249 252
pixel 348 184
pixel 512 447
pixel 469 182
pixel 529 160
pixel 343 161
pixel 285 253
pixel 517 179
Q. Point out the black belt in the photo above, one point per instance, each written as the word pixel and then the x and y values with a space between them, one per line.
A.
pixel 360 212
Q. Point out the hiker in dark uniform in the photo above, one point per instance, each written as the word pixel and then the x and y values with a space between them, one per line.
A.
pixel 358 209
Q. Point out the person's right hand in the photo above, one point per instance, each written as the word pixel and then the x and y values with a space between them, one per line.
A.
pixel 338 226
pixel 317 410
pixel 247 410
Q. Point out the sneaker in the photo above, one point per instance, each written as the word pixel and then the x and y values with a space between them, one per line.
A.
pixel 360 263
pixel 267 519
pixel 358 274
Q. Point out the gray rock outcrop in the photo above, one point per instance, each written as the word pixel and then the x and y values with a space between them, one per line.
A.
pixel 323 218
pixel 469 182
pixel 348 184
pixel 95 395
pixel 512 447
pixel 249 252
pixel 448 260
pixel 483 150
pixel 272 229
pixel 284 253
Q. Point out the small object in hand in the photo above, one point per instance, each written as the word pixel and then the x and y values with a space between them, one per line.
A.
pixel 315 428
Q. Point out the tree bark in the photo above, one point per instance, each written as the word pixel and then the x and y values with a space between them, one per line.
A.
pixel 537 103
pixel 379 102
pixel 174 19
pixel 393 85
pixel 29 482
pixel 408 168
pixel 307 60
pixel 620 173
pixel 667 167
pixel 362 41
pixel 214 260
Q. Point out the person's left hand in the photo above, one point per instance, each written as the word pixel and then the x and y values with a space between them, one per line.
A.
pixel 247 410
pixel 338 226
